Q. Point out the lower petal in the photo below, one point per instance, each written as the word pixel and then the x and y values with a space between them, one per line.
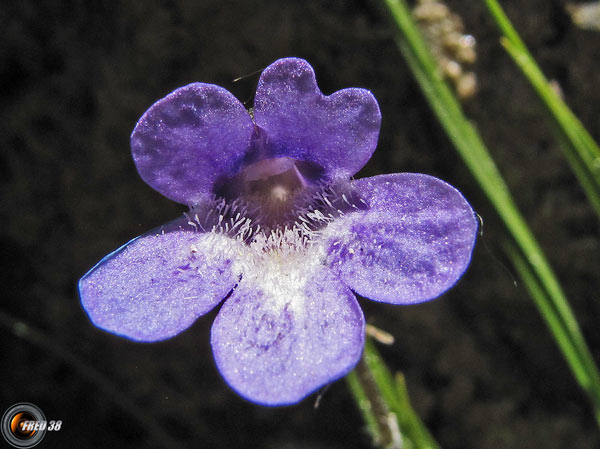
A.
pixel 275 347
pixel 157 285
pixel 411 244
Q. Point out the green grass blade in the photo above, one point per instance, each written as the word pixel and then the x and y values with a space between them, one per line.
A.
pixel 411 420
pixel 364 406
pixel 474 153
pixel 580 149
pixel 552 318
pixel 396 395
pixel 380 398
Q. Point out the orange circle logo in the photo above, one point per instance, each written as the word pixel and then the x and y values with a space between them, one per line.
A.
pixel 18 425
pixel 23 425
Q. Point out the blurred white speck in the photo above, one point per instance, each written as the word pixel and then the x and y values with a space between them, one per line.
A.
pixel 585 15
pixel 20 329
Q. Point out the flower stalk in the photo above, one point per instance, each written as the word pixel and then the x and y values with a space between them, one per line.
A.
pixel 384 403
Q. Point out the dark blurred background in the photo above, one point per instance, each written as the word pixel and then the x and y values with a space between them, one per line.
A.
pixel 481 367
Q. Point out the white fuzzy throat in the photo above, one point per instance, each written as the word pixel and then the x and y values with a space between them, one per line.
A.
pixel 277 259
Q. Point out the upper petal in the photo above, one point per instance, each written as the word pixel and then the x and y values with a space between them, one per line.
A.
pixel 411 244
pixel 338 132
pixel 158 284
pixel 275 345
pixel 185 142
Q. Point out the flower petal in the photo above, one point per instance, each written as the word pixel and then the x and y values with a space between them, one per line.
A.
pixel 185 142
pixel 275 347
pixel 411 245
pixel 156 286
pixel 338 132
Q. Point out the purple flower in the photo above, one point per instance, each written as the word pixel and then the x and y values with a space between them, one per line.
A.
pixel 279 230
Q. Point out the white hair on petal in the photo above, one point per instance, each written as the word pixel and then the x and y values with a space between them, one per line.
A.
pixel 280 259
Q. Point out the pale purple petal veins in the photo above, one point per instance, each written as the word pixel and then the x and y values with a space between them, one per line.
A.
pixel 155 286
pixel 191 138
pixel 338 132
pixel 277 349
pixel 412 244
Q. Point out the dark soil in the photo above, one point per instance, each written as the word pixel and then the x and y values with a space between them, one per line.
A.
pixel 481 367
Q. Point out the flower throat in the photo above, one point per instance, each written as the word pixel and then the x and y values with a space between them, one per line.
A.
pixel 274 195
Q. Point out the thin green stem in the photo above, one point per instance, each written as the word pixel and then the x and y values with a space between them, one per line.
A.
pixel 361 398
pixel 411 427
pixel 375 406
pixel 385 405
pixel 475 154
pixel 580 149
pixel 553 320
